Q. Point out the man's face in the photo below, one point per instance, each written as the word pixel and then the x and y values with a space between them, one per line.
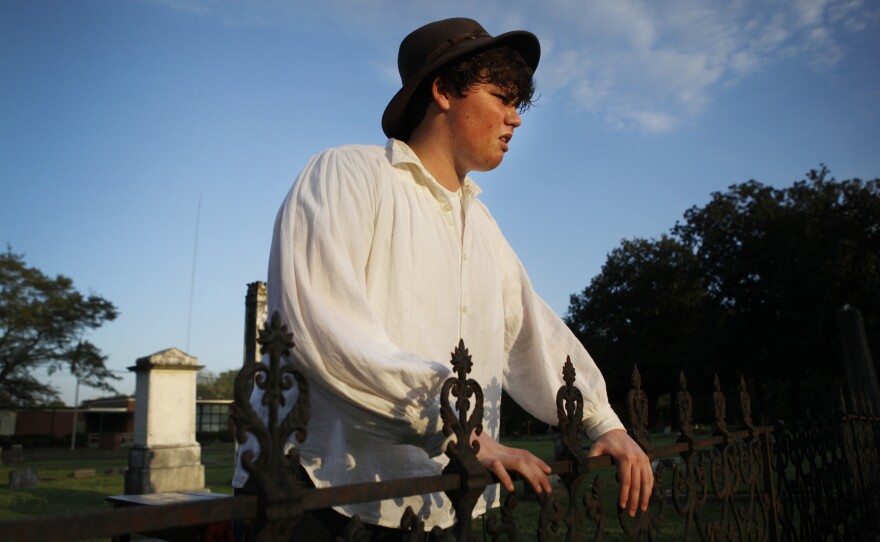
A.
pixel 482 123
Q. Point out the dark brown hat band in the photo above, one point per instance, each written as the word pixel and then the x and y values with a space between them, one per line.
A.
pixel 451 42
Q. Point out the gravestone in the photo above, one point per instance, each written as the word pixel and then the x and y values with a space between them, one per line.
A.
pixel 861 377
pixel 22 478
pixel 165 455
pixel 17 454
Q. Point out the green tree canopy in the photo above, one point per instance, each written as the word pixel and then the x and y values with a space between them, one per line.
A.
pixel 645 308
pixel 213 386
pixel 42 322
pixel 749 283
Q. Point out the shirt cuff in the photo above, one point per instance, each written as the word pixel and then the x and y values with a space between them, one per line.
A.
pixel 602 420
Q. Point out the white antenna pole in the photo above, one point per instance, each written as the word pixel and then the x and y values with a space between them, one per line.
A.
pixel 192 280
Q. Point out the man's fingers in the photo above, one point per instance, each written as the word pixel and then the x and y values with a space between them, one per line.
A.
pixel 633 501
pixel 500 459
pixel 497 468
pixel 646 493
pixel 634 472
pixel 624 481
pixel 636 484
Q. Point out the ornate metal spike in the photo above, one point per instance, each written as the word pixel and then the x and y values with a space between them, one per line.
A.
pixel 275 339
pixel 637 405
pixel 636 378
pixel 462 389
pixel 570 412
pixel 684 405
pixel 461 452
pixel 568 372
pixel 272 473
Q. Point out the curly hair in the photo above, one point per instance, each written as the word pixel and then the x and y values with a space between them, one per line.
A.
pixel 500 66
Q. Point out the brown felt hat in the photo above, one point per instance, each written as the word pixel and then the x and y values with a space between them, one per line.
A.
pixel 430 47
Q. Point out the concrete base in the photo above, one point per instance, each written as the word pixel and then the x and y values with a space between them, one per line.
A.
pixel 164 468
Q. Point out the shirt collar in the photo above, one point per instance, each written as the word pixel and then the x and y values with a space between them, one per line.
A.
pixel 399 153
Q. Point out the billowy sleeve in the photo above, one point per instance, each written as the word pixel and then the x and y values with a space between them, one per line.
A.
pixel 537 343
pixel 317 282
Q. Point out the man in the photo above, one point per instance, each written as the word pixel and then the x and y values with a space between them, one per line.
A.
pixel 383 258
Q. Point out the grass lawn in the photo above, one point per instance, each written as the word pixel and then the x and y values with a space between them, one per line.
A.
pixel 59 492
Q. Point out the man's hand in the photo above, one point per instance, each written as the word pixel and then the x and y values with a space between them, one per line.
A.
pixel 499 459
pixel 633 468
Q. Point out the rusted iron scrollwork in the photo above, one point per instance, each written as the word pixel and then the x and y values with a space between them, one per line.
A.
pixel 461 422
pixel 502 526
pixel 827 476
pixel 584 499
pixel 737 470
pixel 644 525
pixel 272 474
pixel 690 484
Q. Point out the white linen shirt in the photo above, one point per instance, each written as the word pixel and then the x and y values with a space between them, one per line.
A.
pixel 373 276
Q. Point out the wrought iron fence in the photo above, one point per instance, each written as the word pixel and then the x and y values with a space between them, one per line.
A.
pixel 739 481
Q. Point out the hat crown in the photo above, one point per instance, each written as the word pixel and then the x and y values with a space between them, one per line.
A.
pixel 423 45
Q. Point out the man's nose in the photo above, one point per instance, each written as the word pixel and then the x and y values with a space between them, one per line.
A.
pixel 513 118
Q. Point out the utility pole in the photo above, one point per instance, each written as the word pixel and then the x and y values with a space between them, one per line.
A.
pixel 75 371
pixel 75 416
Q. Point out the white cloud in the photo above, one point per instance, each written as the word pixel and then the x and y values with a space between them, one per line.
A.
pixel 639 64
pixel 648 65
pixel 655 122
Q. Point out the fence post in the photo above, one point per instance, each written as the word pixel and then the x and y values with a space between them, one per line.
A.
pixel 767 461
pixel 462 454
pixel 272 475
pixel 584 499
pixel 769 487
pixel 645 525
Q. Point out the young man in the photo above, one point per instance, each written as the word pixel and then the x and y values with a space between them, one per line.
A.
pixel 382 258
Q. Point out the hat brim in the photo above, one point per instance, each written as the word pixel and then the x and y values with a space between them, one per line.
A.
pixel 521 41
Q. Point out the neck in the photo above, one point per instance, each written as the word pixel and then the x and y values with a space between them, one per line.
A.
pixel 429 147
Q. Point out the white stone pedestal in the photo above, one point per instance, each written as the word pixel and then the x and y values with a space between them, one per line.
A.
pixel 165 455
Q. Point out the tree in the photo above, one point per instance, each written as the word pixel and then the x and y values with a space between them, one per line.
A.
pixel 749 283
pixel 214 386
pixel 644 309
pixel 42 322
pixel 779 264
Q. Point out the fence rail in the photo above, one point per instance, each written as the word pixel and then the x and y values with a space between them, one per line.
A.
pixel 744 482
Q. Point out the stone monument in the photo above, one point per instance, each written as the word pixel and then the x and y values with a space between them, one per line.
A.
pixel 165 455
pixel 255 314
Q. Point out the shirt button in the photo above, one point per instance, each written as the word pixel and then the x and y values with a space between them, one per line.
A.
pixel 464 309
pixel 464 257
pixel 446 207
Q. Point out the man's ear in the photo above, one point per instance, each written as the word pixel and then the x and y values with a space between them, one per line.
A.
pixel 440 94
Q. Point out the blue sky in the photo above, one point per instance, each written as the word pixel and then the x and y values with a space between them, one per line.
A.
pixel 122 121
